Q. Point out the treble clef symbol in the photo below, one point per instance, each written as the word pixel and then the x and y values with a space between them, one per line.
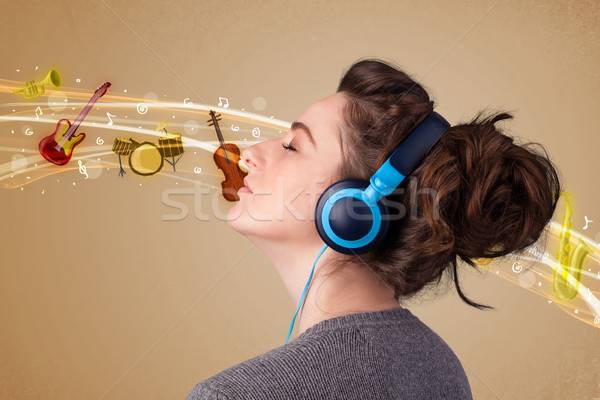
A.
pixel 82 170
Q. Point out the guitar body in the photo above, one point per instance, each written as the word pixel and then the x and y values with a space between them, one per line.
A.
pixel 47 145
pixel 58 147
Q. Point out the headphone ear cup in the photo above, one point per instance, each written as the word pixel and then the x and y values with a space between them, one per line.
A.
pixel 345 222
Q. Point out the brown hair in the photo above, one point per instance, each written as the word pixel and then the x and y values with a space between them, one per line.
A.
pixel 491 196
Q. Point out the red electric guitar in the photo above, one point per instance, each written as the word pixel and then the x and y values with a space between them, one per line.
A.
pixel 58 147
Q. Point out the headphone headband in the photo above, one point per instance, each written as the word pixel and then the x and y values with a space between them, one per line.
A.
pixel 412 150
pixel 406 157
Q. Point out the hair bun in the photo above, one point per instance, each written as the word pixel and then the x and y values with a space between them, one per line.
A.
pixel 506 192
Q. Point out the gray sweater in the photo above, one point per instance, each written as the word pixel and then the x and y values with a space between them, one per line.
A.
pixel 389 354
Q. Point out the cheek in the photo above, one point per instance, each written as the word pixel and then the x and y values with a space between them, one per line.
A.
pixel 314 178
pixel 285 199
pixel 301 196
pixel 294 188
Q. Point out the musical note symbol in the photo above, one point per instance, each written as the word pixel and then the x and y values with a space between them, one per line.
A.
pixel 109 115
pixel 586 222
pixel 36 112
pixel 256 132
pixel 221 102
pixel 189 103
pixel 235 128
pixel 82 170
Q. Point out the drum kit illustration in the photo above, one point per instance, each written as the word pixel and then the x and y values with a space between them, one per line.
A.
pixel 147 158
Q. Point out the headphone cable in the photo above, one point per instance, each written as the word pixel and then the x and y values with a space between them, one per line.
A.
pixel 304 293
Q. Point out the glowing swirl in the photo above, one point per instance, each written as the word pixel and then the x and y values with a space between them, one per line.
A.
pixel 99 141
pixel 142 108
pixel 197 170
pixel 516 267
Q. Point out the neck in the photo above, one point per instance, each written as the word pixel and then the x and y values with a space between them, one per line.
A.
pixel 352 288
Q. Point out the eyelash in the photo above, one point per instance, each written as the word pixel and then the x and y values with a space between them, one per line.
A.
pixel 289 147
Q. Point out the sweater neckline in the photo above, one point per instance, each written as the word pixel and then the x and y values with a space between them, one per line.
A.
pixel 353 319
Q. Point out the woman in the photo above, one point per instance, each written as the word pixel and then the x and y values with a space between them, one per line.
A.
pixel 475 194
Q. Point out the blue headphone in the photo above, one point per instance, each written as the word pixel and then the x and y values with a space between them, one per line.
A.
pixel 350 216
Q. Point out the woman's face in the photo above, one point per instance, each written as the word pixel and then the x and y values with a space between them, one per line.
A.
pixel 286 183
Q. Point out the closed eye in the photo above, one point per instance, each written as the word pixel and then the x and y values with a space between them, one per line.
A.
pixel 289 147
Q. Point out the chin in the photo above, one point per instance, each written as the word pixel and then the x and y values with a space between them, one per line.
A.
pixel 259 222
pixel 235 216
pixel 239 220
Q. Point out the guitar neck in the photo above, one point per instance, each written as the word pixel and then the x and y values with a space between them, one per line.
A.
pixel 82 115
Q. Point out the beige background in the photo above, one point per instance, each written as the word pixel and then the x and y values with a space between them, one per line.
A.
pixel 102 299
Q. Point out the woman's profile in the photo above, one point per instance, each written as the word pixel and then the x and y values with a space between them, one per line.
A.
pixel 475 194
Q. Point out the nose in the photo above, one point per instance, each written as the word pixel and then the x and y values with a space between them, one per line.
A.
pixel 248 157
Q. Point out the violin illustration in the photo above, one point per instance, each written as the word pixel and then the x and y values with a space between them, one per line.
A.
pixel 58 146
pixel 227 157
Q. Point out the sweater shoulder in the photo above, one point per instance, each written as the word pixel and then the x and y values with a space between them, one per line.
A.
pixel 374 356
pixel 297 370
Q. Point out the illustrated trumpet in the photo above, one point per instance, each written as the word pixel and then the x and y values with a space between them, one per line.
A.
pixel 33 89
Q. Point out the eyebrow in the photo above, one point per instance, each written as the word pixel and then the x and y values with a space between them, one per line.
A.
pixel 300 125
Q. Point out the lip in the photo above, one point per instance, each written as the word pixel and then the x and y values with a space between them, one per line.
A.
pixel 246 187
